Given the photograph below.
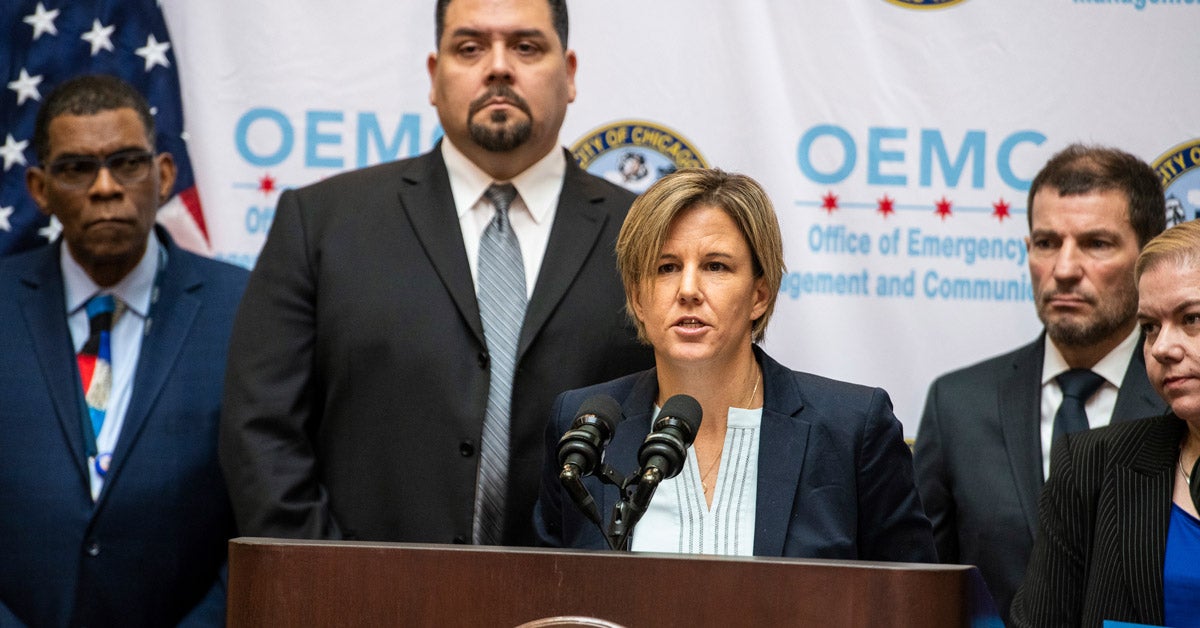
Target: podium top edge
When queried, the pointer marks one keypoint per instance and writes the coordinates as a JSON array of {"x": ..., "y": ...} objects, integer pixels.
[{"x": 251, "y": 543}]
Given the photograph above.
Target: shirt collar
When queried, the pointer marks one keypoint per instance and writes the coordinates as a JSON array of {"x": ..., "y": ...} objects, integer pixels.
[
  {"x": 134, "y": 289},
  {"x": 538, "y": 186},
  {"x": 1111, "y": 367}
]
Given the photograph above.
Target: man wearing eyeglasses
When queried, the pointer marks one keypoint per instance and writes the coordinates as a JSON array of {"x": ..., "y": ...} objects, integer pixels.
[{"x": 112, "y": 506}]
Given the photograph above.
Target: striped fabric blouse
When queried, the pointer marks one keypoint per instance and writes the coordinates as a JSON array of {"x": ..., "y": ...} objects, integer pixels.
[{"x": 678, "y": 519}]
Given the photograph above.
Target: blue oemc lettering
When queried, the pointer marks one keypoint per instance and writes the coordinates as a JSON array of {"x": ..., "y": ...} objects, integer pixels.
[
  {"x": 266, "y": 137},
  {"x": 889, "y": 156}
]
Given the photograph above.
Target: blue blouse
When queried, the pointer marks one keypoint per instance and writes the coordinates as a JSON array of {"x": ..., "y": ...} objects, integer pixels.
[{"x": 1181, "y": 572}]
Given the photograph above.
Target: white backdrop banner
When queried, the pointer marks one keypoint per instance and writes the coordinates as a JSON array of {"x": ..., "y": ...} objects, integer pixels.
[{"x": 897, "y": 138}]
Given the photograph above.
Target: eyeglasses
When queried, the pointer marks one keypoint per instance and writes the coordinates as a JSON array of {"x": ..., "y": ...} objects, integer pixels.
[{"x": 79, "y": 172}]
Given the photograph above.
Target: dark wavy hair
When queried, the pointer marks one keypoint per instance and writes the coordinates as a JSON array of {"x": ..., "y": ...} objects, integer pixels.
[{"x": 1081, "y": 169}]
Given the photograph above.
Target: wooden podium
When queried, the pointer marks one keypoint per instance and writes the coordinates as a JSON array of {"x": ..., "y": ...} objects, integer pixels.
[{"x": 323, "y": 583}]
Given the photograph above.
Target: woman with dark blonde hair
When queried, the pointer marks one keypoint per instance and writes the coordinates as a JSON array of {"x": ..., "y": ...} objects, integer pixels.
[{"x": 784, "y": 463}]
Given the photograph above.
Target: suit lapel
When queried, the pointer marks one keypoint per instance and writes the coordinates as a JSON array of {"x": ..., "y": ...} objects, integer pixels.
[
  {"x": 578, "y": 223},
  {"x": 621, "y": 453},
  {"x": 428, "y": 201},
  {"x": 44, "y": 310},
  {"x": 783, "y": 437},
  {"x": 638, "y": 408},
  {"x": 1020, "y": 414},
  {"x": 1147, "y": 479},
  {"x": 1137, "y": 399},
  {"x": 168, "y": 326}
]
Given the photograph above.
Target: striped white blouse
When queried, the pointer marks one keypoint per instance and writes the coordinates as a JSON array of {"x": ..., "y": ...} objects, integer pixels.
[{"x": 678, "y": 519}]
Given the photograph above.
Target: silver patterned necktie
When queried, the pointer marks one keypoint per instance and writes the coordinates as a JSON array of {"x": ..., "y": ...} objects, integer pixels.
[{"x": 502, "y": 308}]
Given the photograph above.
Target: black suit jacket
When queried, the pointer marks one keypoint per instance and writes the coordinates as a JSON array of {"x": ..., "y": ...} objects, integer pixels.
[
  {"x": 835, "y": 479},
  {"x": 150, "y": 550},
  {"x": 978, "y": 457},
  {"x": 358, "y": 371},
  {"x": 1102, "y": 540}
]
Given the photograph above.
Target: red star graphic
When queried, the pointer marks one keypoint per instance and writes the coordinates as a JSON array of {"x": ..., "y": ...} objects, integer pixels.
[
  {"x": 943, "y": 208},
  {"x": 886, "y": 206},
  {"x": 266, "y": 184},
  {"x": 829, "y": 202},
  {"x": 1001, "y": 210}
]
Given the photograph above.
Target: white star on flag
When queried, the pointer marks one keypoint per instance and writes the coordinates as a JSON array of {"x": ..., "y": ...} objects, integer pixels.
[
  {"x": 84, "y": 37},
  {"x": 100, "y": 37},
  {"x": 42, "y": 21},
  {"x": 26, "y": 87},
  {"x": 154, "y": 53},
  {"x": 13, "y": 152},
  {"x": 51, "y": 231}
]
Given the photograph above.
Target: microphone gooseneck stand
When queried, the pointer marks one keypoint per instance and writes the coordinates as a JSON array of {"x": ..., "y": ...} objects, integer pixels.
[{"x": 661, "y": 457}]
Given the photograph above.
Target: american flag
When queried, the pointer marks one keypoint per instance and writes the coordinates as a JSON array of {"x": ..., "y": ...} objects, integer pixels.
[{"x": 45, "y": 42}]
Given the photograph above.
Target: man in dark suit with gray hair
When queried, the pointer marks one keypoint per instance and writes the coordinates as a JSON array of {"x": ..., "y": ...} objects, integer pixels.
[
  {"x": 982, "y": 448},
  {"x": 408, "y": 325}
]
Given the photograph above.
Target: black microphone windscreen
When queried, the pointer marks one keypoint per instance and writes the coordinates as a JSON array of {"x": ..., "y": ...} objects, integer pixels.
[
  {"x": 686, "y": 409},
  {"x": 604, "y": 408}
]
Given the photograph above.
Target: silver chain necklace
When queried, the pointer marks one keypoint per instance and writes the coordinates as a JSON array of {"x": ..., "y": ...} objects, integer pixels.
[{"x": 1187, "y": 477}]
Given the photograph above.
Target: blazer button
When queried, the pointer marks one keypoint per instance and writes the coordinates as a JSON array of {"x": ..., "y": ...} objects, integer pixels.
[
  {"x": 93, "y": 548},
  {"x": 466, "y": 448},
  {"x": 460, "y": 539},
  {"x": 484, "y": 359}
]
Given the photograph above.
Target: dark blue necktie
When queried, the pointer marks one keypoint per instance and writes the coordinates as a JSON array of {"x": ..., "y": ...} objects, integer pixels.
[{"x": 1077, "y": 385}]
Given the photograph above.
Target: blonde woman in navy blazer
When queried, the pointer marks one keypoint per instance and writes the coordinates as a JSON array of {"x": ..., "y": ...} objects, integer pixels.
[
  {"x": 1119, "y": 533},
  {"x": 701, "y": 258}
]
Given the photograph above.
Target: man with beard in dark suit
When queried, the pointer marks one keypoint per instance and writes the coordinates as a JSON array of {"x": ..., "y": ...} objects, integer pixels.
[
  {"x": 408, "y": 325},
  {"x": 983, "y": 446}
]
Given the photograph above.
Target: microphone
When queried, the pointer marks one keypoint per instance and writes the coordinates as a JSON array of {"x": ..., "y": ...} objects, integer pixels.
[
  {"x": 579, "y": 449},
  {"x": 661, "y": 457},
  {"x": 665, "y": 449}
]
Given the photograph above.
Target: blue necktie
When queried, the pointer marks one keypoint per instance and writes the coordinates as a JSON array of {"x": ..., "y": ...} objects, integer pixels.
[
  {"x": 1077, "y": 386},
  {"x": 502, "y": 309}
]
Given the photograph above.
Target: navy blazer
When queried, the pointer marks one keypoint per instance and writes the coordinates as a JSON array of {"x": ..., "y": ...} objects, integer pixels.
[
  {"x": 1103, "y": 522},
  {"x": 151, "y": 550},
  {"x": 835, "y": 478}
]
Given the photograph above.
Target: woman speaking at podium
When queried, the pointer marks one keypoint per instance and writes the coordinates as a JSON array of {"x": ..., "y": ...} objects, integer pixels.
[{"x": 784, "y": 463}]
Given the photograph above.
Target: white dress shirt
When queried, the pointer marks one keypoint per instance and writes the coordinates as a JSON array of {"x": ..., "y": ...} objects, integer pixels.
[
  {"x": 1100, "y": 406},
  {"x": 531, "y": 213}
]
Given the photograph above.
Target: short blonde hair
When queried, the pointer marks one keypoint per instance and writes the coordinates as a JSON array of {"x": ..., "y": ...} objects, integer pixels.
[
  {"x": 1179, "y": 244},
  {"x": 645, "y": 230}
]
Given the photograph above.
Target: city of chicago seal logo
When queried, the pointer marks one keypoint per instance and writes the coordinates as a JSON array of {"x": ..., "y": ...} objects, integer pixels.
[
  {"x": 1180, "y": 175},
  {"x": 635, "y": 153},
  {"x": 925, "y": 4}
]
